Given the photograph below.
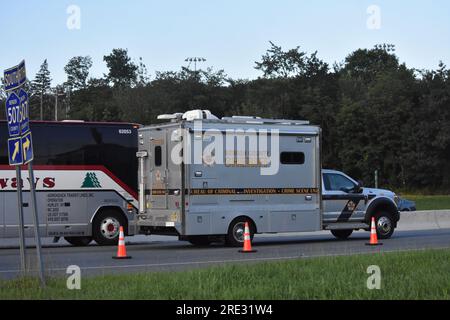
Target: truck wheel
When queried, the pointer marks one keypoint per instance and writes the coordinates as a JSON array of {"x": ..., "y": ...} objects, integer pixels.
[
  {"x": 235, "y": 236},
  {"x": 384, "y": 224},
  {"x": 78, "y": 241},
  {"x": 199, "y": 241},
  {"x": 342, "y": 234},
  {"x": 105, "y": 228}
]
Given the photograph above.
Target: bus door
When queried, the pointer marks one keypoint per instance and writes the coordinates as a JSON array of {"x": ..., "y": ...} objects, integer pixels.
[
  {"x": 12, "y": 215},
  {"x": 158, "y": 171},
  {"x": 28, "y": 214}
]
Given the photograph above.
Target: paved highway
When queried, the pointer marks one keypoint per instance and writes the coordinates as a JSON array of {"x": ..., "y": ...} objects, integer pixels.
[{"x": 165, "y": 254}]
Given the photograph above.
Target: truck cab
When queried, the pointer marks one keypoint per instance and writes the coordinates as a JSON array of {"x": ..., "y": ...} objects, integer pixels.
[{"x": 348, "y": 206}]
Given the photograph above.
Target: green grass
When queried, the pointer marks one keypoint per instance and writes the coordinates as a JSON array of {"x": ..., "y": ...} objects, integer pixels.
[
  {"x": 407, "y": 275},
  {"x": 430, "y": 202}
]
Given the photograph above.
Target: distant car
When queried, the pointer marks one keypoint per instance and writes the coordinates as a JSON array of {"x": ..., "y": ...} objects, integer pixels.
[{"x": 406, "y": 205}]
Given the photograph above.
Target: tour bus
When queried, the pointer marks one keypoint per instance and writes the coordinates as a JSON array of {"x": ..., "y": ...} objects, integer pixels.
[{"x": 85, "y": 178}]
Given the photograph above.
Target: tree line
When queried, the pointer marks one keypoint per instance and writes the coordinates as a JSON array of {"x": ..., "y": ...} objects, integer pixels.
[{"x": 375, "y": 112}]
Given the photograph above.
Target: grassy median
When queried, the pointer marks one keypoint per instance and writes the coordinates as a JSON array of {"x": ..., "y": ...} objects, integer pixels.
[
  {"x": 407, "y": 275},
  {"x": 424, "y": 202}
]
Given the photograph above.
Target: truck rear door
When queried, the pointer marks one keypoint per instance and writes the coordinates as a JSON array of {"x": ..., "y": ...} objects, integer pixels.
[{"x": 158, "y": 171}]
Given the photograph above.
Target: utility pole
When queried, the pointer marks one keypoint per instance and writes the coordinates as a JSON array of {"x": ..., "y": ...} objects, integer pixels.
[
  {"x": 56, "y": 101},
  {"x": 68, "y": 102},
  {"x": 376, "y": 179},
  {"x": 42, "y": 110}
]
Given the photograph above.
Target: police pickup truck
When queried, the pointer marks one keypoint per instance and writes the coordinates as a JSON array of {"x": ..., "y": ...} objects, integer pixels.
[{"x": 347, "y": 203}]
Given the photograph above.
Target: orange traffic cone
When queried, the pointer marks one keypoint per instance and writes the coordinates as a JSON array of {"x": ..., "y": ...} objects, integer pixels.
[
  {"x": 373, "y": 235},
  {"x": 247, "y": 242},
  {"x": 121, "y": 250}
]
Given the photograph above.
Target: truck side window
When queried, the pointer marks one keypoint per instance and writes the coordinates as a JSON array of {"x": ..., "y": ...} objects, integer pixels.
[
  {"x": 292, "y": 158},
  {"x": 158, "y": 156},
  {"x": 337, "y": 182}
]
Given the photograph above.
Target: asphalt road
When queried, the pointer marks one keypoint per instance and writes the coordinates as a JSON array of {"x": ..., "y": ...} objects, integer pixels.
[{"x": 166, "y": 254}]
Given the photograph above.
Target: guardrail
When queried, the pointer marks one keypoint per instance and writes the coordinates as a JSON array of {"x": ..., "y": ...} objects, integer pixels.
[{"x": 430, "y": 219}]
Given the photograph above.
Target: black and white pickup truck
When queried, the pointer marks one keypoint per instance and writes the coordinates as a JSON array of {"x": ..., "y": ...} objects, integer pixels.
[{"x": 348, "y": 206}]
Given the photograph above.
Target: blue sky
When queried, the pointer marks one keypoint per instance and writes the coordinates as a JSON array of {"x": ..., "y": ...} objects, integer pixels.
[{"x": 230, "y": 34}]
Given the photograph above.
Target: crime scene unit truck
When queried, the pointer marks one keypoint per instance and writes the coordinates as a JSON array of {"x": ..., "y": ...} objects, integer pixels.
[
  {"x": 201, "y": 178},
  {"x": 85, "y": 177}
]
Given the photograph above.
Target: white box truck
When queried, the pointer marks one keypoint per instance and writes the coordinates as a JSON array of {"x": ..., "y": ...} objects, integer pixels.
[{"x": 201, "y": 178}]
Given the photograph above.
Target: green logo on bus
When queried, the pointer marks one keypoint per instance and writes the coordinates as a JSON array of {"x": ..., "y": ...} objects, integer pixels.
[{"x": 91, "y": 181}]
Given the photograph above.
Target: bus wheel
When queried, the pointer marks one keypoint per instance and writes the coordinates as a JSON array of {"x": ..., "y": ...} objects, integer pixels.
[
  {"x": 235, "y": 236},
  {"x": 342, "y": 234},
  {"x": 78, "y": 241},
  {"x": 200, "y": 241},
  {"x": 105, "y": 228}
]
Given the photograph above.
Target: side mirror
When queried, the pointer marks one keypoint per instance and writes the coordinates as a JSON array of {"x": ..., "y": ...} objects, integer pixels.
[{"x": 359, "y": 186}]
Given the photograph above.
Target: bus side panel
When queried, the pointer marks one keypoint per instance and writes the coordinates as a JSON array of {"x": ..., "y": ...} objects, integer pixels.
[
  {"x": 12, "y": 215},
  {"x": 2, "y": 214},
  {"x": 98, "y": 201},
  {"x": 28, "y": 214},
  {"x": 66, "y": 212},
  {"x": 58, "y": 147}
]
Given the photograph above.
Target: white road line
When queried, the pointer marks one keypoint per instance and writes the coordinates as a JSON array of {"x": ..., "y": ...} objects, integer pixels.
[{"x": 168, "y": 264}]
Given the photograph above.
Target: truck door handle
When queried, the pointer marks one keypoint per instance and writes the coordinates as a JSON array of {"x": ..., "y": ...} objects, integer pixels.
[{"x": 308, "y": 198}]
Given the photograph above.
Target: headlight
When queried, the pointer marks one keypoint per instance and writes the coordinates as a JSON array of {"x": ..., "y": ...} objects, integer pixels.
[{"x": 396, "y": 199}]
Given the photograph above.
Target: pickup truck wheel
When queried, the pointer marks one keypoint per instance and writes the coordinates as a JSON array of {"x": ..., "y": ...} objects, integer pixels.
[
  {"x": 105, "y": 228},
  {"x": 384, "y": 225},
  {"x": 199, "y": 241},
  {"x": 342, "y": 234},
  {"x": 78, "y": 241},
  {"x": 235, "y": 236}
]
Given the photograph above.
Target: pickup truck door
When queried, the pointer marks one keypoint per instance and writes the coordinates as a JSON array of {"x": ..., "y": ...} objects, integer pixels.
[{"x": 339, "y": 205}]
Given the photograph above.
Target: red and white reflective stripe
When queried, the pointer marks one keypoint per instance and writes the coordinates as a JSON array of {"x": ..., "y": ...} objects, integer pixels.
[
  {"x": 372, "y": 228},
  {"x": 121, "y": 237},
  {"x": 246, "y": 233}
]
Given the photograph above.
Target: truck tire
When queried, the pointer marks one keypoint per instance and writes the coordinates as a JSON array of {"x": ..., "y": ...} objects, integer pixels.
[
  {"x": 78, "y": 241},
  {"x": 342, "y": 234},
  {"x": 105, "y": 228},
  {"x": 385, "y": 224},
  {"x": 235, "y": 235},
  {"x": 199, "y": 241}
]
